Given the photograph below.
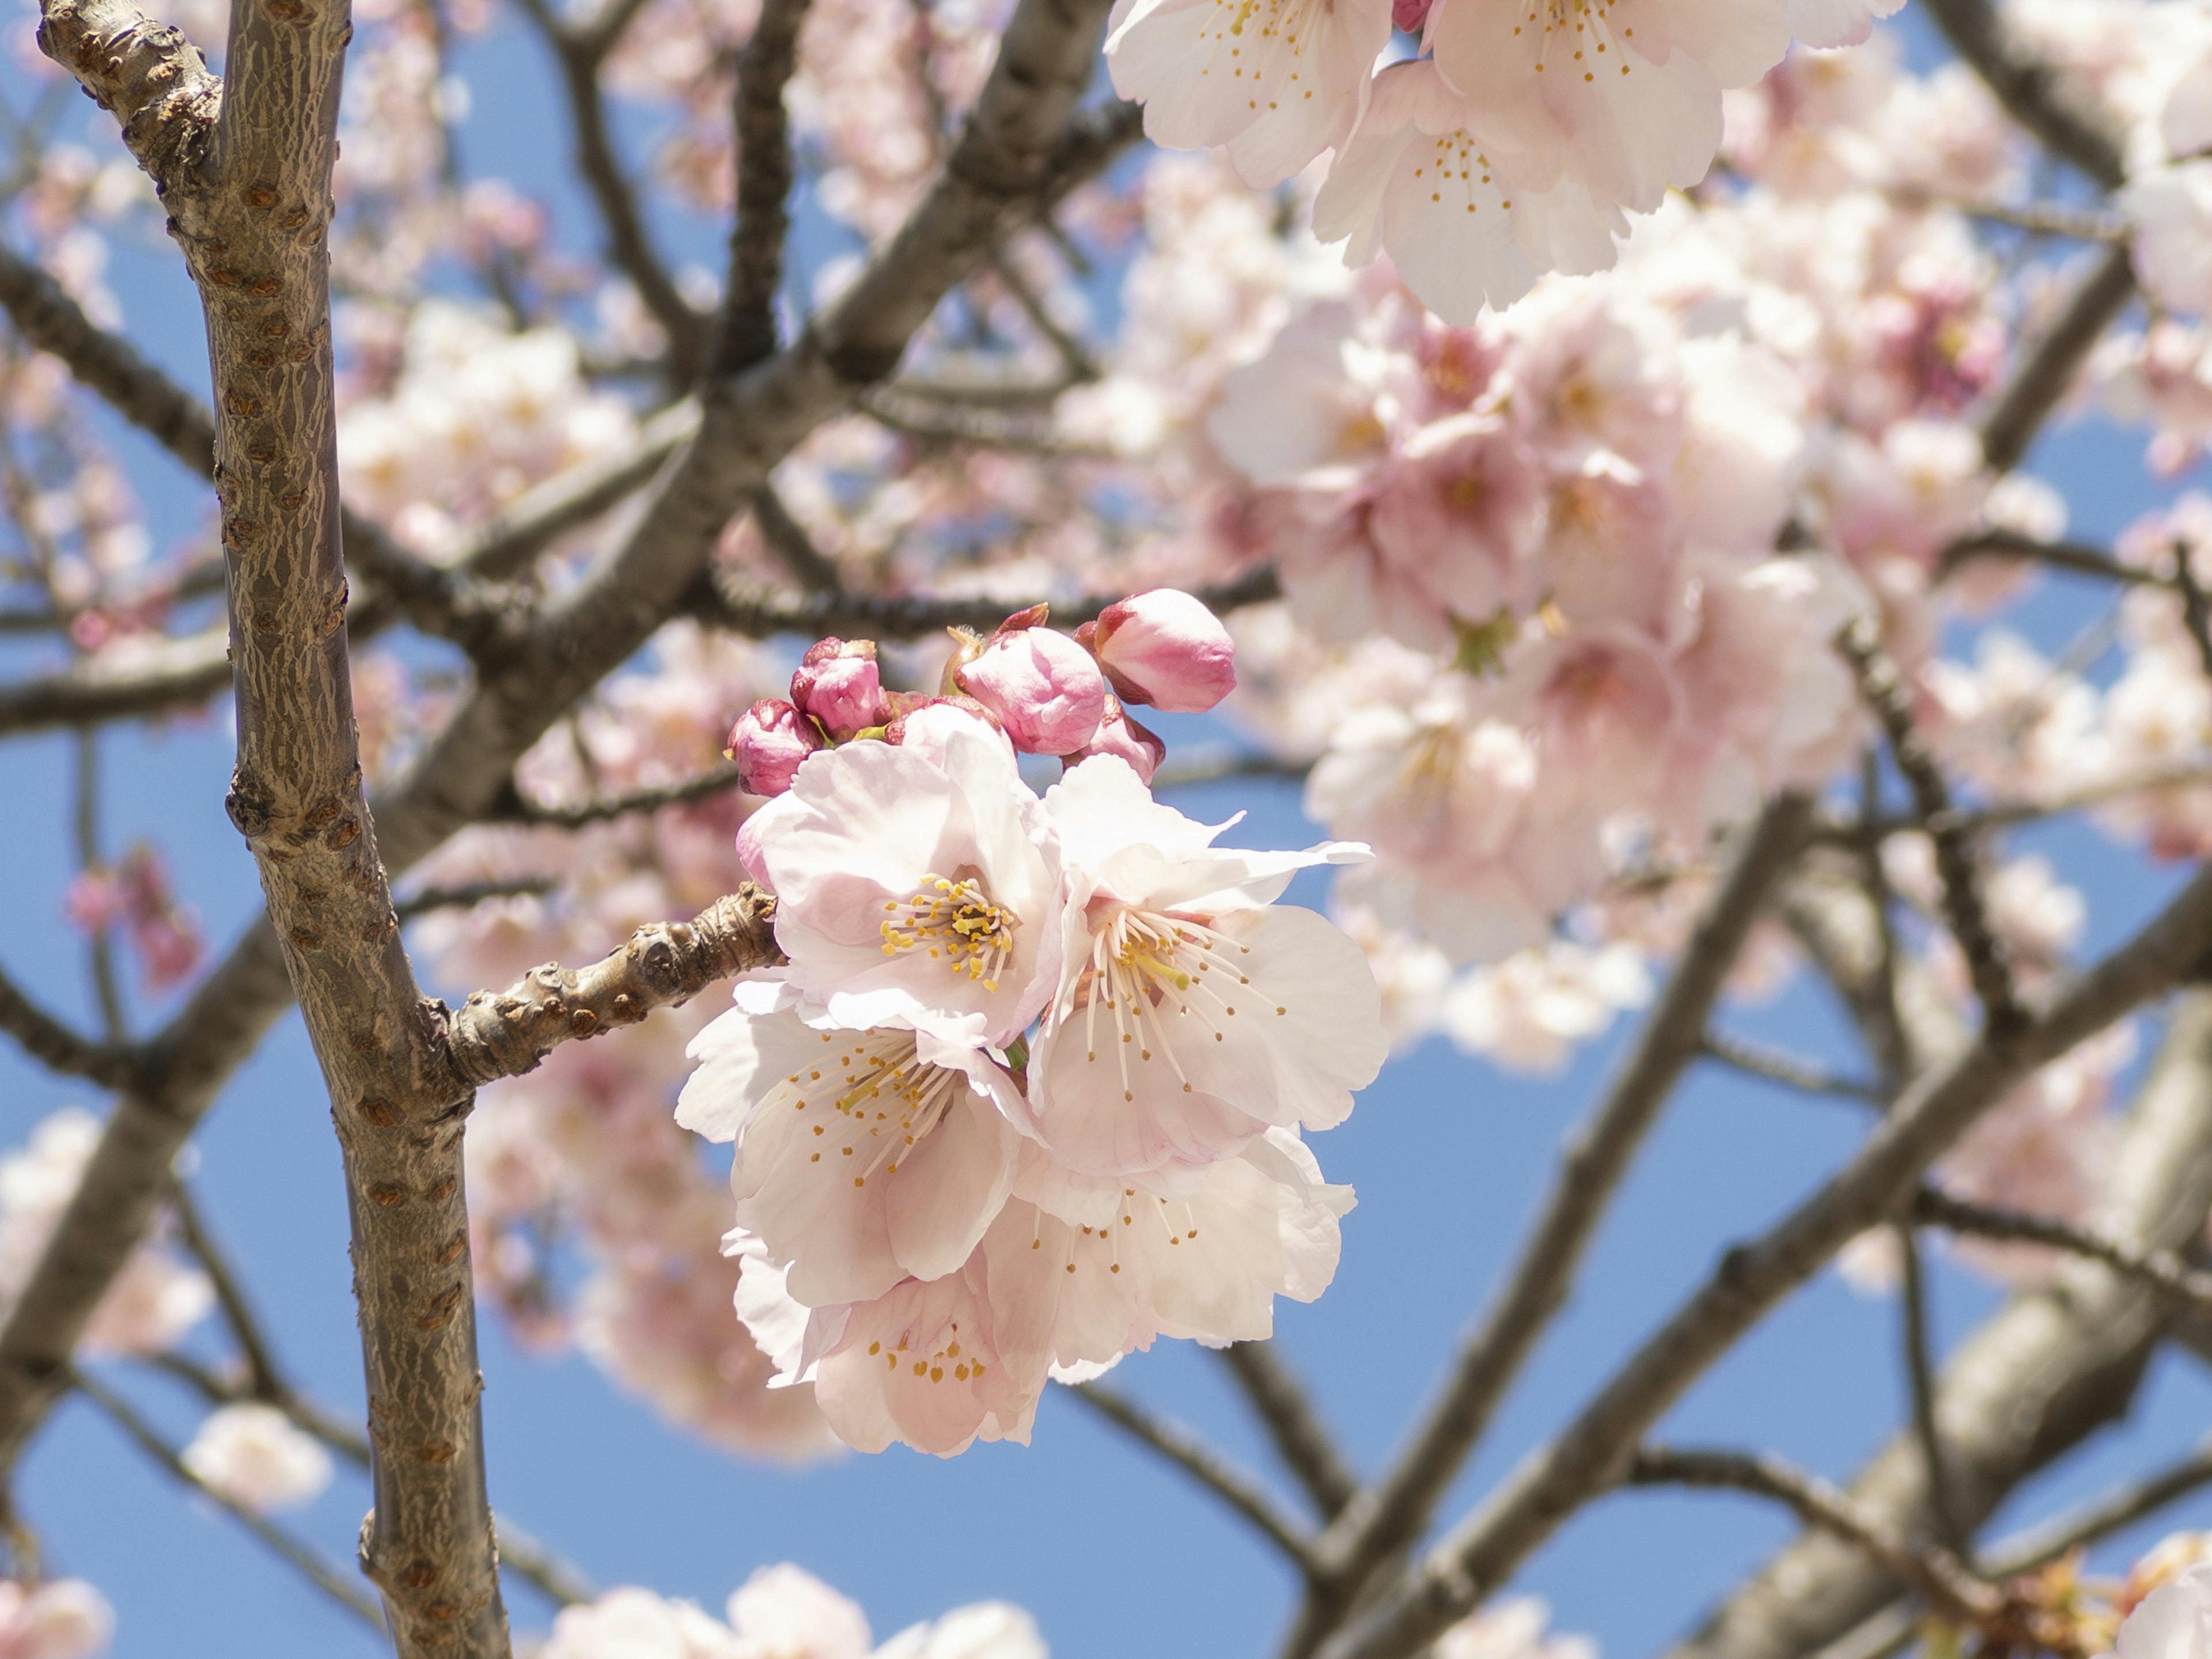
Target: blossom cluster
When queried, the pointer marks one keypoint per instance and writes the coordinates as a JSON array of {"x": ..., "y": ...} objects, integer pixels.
[
  {"x": 1026, "y": 1092},
  {"x": 1510, "y": 145}
]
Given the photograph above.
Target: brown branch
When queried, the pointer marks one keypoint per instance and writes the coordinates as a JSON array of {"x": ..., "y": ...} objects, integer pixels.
[
  {"x": 2042, "y": 380},
  {"x": 2048, "y": 1541},
  {"x": 56, "y": 1046},
  {"x": 758, "y": 612},
  {"x": 2078, "y": 557},
  {"x": 1180, "y": 1446},
  {"x": 249, "y": 202},
  {"x": 325, "y": 1575},
  {"x": 1920, "y": 1390},
  {"x": 2051, "y": 1368},
  {"x": 2032, "y": 92},
  {"x": 747, "y": 329},
  {"x": 1387, "y": 1517},
  {"x": 1958, "y": 858},
  {"x": 264, "y": 1382},
  {"x": 1287, "y": 1411},
  {"x": 504, "y": 1034},
  {"x": 513, "y": 809},
  {"x": 548, "y": 511},
  {"x": 176, "y": 676},
  {"x": 630, "y": 245},
  {"x": 1585, "y": 1457},
  {"x": 2162, "y": 1270},
  {"x": 1935, "y": 1572},
  {"x": 1775, "y": 1065},
  {"x": 468, "y": 893},
  {"x": 808, "y": 566}
]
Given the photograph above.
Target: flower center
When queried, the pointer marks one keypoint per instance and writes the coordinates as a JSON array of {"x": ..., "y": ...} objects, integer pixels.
[
  {"x": 875, "y": 1098},
  {"x": 1161, "y": 978},
  {"x": 957, "y": 923}
]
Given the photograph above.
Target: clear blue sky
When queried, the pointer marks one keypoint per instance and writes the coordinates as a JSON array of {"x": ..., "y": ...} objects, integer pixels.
[{"x": 1111, "y": 1550}]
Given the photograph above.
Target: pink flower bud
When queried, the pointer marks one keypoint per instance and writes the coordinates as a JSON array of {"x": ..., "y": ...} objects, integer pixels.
[
  {"x": 925, "y": 723},
  {"x": 1410, "y": 15},
  {"x": 1044, "y": 689},
  {"x": 839, "y": 685},
  {"x": 768, "y": 742},
  {"x": 1118, "y": 734},
  {"x": 1165, "y": 649}
]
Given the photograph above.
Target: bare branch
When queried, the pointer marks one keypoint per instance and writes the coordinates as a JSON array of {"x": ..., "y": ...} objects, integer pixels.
[
  {"x": 1180, "y": 1446},
  {"x": 529, "y": 1559},
  {"x": 747, "y": 331},
  {"x": 2047, "y": 1540},
  {"x": 513, "y": 809},
  {"x": 56, "y": 1047},
  {"x": 1386, "y": 1518},
  {"x": 325, "y": 1575},
  {"x": 265, "y": 1383},
  {"x": 1302, "y": 1439},
  {"x": 809, "y": 566},
  {"x": 2079, "y": 557},
  {"x": 1775, "y": 1065},
  {"x": 167, "y": 678},
  {"x": 507, "y": 1033},
  {"x": 468, "y": 893},
  {"x": 1920, "y": 1390},
  {"x": 1936, "y": 1573},
  {"x": 2042, "y": 378},
  {"x": 1585, "y": 1457},
  {"x": 2032, "y": 93},
  {"x": 544, "y": 513},
  {"x": 1958, "y": 861},
  {"x": 2162, "y": 1270}
]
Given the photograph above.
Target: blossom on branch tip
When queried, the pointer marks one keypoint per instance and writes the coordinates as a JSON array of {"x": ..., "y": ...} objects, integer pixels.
[
  {"x": 1164, "y": 648},
  {"x": 769, "y": 742},
  {"x": 58, "y": 1619},
  {"x": 838, "y": 686},
  {"x": 1045, "y": 690}
]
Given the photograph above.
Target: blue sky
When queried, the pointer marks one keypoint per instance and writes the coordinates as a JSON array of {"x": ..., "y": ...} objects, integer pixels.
[{"x": 1110, "y": 1549}]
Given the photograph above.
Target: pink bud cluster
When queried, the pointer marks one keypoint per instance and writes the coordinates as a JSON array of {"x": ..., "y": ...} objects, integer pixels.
[
  {"x": 1046, "y": 693},
  {"x": 137, "y": 898}
]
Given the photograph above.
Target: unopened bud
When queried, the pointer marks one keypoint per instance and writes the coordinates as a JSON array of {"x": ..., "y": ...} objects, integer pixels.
[
  {"x": 1410, "y": 15},
  {"x": 768, "y": 742},
  {"x": 1164, "y": 648},
  {"x": 1045, "y": 691},
  {"x": 1121, "y": 735},
  {"x": 838, "y": 684}
]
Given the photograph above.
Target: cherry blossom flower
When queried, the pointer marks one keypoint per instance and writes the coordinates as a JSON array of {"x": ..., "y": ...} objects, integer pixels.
[
  {"x": 839, "y": 687},
  {"x": 1044, "y": 690},
  {"x": 1164, "y": 648},
  {"x": 1277, "y": 86},
  {"x": 60, "y": 1618},
  {"x": 2174, "y": 1621},
  {"x": 1167, "y": 940},
  {"x": 916, "y": 891},
  {"x": 1529, "y": 1011},
  {"x": 863, "y": 1156},
  {"x": 769, "y": 742},
  {"x": 1512, "y": 1628},
  {"x": 2171, "y": 211},
  {"x": 253, "y": 1454}
]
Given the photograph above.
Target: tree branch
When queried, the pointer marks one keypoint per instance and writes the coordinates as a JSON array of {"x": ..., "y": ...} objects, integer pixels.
[
  {"x": 513, "y": 809},
  {"x": 1920, "y": 1390},
  {"x": 171, "y": 677},
  {"x": 58, "y": 1048},
  {"x": 1958, "y": 861},
  {"x": 1757, "y": 1060},
  {"x": 1287, "y": 1411},
  {"x": 2162, "y": 1270},
  {"x": 2032, "y": 92},
  {"x": 747, "y": 329},
  {"x": 1232, "y": 1485},
  {"x": 506, "y": 1034},
  {"x": 1582, "y": 1459},
  {"x": 1386, "y": 1518},
  {"x": 323, "y": 1573},
  {"x": 1935, "y": 1572}
]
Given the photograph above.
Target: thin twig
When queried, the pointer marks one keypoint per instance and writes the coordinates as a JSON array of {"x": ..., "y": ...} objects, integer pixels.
[
  {"x": 1790, "y": 1071},
  {"x": 2162, "y": 1270},
  {"x": 1958, "y": 860},
  {"x": 264, "y": 1382},
  {"x": 2196, "y": 616},
  {"x": 1308, "y": 1450},
  {"x": 2122, "y": 1506},
  {"x": 514, "y": 809},
  {"x": 1936, "y": 1573},
  {"x": 1182, "y": 1448},
  {"x": 2048, "y": 370},
  {"x": 470, "y": 894},
  {"x": 1920, "y": 1389},
  {"x": 2078, "y": 557},
  {"x": 100, "y": 946},
  {"x": 57, "y": 1047},
  {"x": 559, "y": 1579},
  {"x": 325, "y": 1574}
]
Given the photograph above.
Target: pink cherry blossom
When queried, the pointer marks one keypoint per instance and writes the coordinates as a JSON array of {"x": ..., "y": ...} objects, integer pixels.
[
  {"x": 253, "y": 1454},
  {"x": 838, "y": 687},
  {"x": 58, "y": 1619},
  {"x": 863, "y": 1157},
  {"x": 1143, "y": 1058},
  {"x": 1164, "y": 648},
  {"x": 1121, "y": 735},
  {"x": 769, "y": 743},
  {"x": 1044, "y": 690}
]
